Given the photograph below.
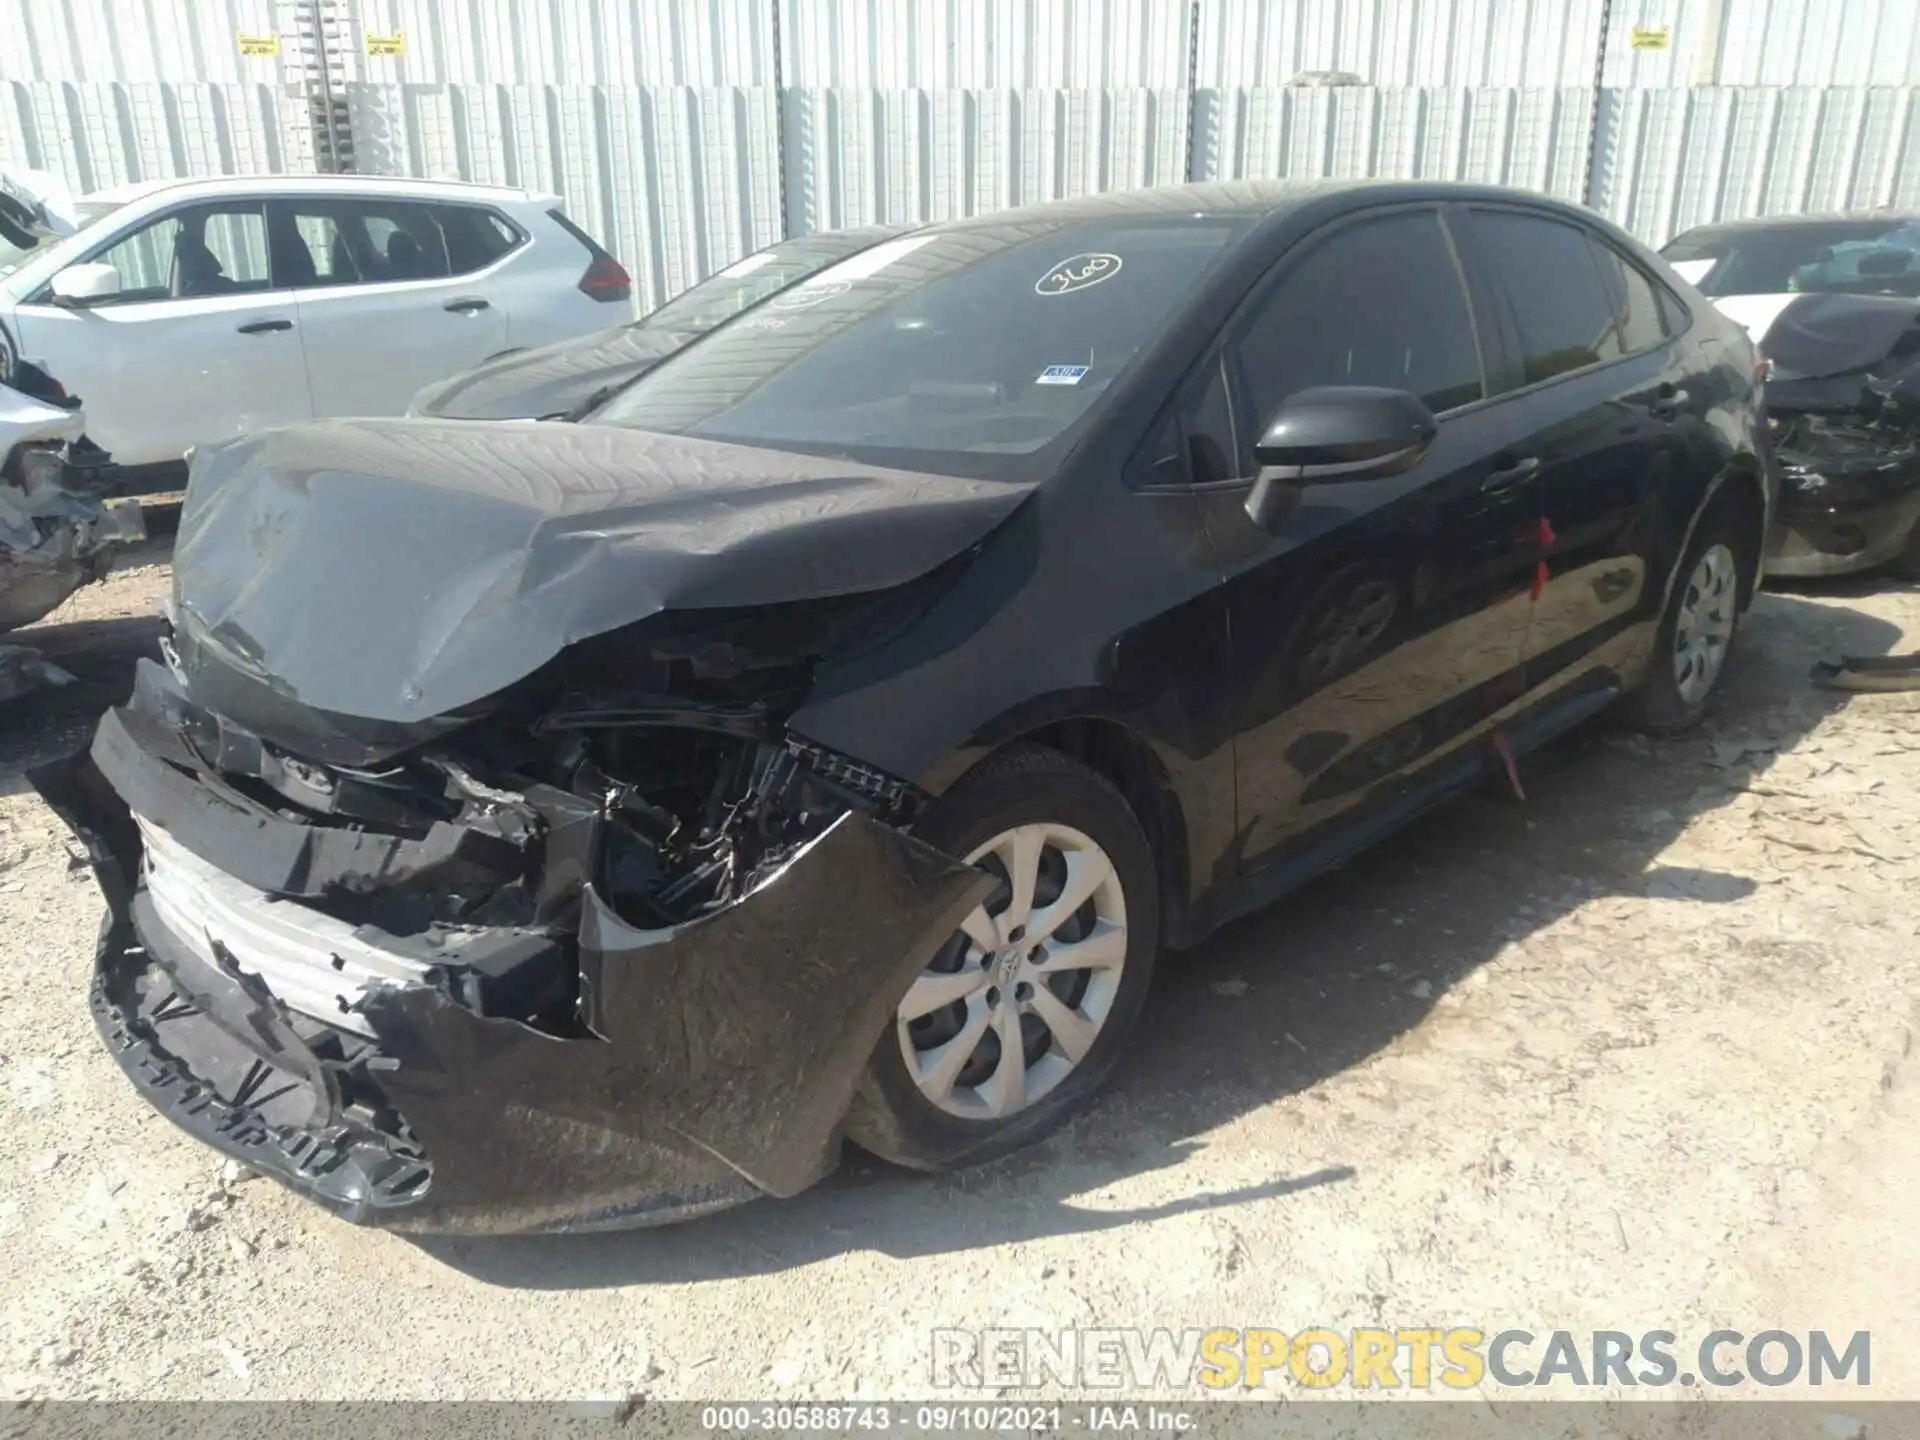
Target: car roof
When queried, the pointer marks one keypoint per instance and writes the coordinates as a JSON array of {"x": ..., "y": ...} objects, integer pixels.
[
  {"x": 1253, "y": 199},
  {"x": 224, "y": 186},
  {"x": 1755, "y": 224}
]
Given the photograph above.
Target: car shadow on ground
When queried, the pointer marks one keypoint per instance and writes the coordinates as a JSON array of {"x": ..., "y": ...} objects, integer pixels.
[{"x": 1285, "y": 998}]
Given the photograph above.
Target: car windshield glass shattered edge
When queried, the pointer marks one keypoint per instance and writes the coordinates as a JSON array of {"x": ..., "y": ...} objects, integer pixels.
[
  {"x": 948, "y": 351},
  {"x": 1852, "y": 257}
]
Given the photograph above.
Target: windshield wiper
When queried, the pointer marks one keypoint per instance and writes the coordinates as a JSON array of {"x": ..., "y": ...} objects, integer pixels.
[{"x": 593, "y": 402}]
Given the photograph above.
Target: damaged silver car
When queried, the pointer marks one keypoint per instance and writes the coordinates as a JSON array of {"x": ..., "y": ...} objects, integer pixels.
[
  {"x": 544, "y": 826},
  {"x": 58, "y": 531}
]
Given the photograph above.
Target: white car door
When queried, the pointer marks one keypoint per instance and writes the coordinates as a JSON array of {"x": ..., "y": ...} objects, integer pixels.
[
  {"x": 198, "y": 346},
  {"x": 381, "y": 311}
]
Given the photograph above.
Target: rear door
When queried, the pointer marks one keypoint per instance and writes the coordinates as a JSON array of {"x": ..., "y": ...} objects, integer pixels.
[
  {"x": 390, "y": 299},
  {"x": 1608, "y": 410},
  {"x": 1378, "y": 624},
  {"x": 200, "y": 344}
]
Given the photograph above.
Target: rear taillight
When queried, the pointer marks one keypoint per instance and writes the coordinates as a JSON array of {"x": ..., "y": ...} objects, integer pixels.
[{"x": 607, "y": 279}]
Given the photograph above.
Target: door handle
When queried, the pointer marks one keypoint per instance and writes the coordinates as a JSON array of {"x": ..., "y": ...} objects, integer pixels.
[
  {"x": 1514, "y": 475},
  {"x": 262, "y": 327},
  {"x": 1667, "y": 403},
  {"x": 467, "y": 304}
]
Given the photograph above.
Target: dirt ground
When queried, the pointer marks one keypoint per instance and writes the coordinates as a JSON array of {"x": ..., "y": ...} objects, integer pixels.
[{"x": 1632, "y": 1055}]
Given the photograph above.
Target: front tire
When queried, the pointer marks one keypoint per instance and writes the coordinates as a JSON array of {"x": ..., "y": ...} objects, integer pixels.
[
  {"x": 1022, "y": 1014},
  {"x": 1697, "y": 631},
  {"x": 1906, "y": 565}
]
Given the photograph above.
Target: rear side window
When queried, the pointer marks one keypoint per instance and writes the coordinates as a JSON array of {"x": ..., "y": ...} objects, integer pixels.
[
  {"x": 475, "y": 238},
  {"x": 1673, "y": 310},
  {"x": 324, "y": 242},
  {"x": 1377, "y": 303},
  {"x": 1636, "y": 302},
  {"x": 1555, "y": 298}
]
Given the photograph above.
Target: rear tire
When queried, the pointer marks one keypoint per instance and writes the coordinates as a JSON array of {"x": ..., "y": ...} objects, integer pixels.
[
  {"x": 943, "y": 1087},
  {"x": 1906, "y": 565},
  {"x": 1697, "y": 630}
]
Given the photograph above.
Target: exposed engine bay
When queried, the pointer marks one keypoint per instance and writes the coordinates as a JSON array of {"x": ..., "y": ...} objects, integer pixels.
[{"x": 483, "y": 840}]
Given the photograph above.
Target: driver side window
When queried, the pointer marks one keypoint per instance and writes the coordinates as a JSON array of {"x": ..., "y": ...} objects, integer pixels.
[
  {"x": 145, "y": 261},
  {"x": 1376, "y": 303},
  {"x": 208, "y": 250}
]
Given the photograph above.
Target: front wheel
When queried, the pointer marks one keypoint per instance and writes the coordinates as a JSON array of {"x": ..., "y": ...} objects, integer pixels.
[
  {"x": 1906, "y": 565},
  {"x": 1023, "y": 1012},
  {"x": 1696, "y": 632}
]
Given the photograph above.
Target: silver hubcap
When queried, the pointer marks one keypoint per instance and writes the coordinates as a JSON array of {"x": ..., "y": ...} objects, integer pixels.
[
  {"x": 1014, "y": 1001},
  {"x": 1704, "y": 627}
]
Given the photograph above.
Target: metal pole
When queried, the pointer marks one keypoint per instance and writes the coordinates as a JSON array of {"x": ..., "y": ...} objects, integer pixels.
[
  {"x": 1599, "y": 91},
  {"x": 1193, "y": 78},
  {"x": 779, "y": 121}
]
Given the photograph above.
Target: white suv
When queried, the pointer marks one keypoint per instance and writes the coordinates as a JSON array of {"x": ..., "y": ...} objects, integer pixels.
[{"x": 192, "y": 310}]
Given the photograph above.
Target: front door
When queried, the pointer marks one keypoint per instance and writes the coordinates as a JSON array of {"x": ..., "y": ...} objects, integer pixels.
[
  {"x": 380, "y": 314},
  {"x": 1378, "y": 623},
  {"x": 199, "y": 345}
]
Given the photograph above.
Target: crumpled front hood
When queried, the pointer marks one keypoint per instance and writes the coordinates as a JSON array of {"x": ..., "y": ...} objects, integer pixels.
[
  {"x": 551, "y": 380},
  {"x": 394, "y": 570}
]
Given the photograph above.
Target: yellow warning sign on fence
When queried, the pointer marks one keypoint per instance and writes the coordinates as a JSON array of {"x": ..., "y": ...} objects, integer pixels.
[
  {"x": 268, "y": 44},
  {"x": 394, "y": 44},
  {"x": 1652, "y": 38}
]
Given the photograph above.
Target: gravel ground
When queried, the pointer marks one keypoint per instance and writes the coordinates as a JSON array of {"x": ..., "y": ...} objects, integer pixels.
[{"x": 1632, "y": 1055}]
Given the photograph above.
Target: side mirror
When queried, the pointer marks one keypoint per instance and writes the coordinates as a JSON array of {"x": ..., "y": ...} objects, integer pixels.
[
  {"x": 83, "y": 285},
  {"x": 1338, "y": 432}
]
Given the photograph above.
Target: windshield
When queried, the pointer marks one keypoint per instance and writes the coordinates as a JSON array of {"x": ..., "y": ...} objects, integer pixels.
[
  {"x": 747, "y": 282},
  {"x": 12, "y": 256},
  {"x": 1841, "y": 257},
  {"x": 937, "y": 351}
]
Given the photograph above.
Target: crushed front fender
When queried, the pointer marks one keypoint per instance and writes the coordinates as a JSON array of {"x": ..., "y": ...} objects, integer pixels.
[{"x": 715, "y": 1063}]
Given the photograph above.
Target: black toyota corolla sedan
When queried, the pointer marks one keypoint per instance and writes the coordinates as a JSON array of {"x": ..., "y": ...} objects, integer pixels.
[
  {"x": 559, "y": 826},
  {"x": 554, "y": 381}
]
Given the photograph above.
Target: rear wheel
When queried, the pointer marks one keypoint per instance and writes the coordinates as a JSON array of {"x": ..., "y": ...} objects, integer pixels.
[
  {"x": 1906, "y": 564},
  {"x": 1696, "y": 632},
  {"x": 1025, "y": 1009}
]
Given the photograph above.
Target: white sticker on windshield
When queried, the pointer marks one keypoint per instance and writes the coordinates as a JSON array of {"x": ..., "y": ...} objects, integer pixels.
[
  {"x": 1692, "y": 271},
  {"x": 871, "y": 262},
  {"x": 811, "y": 293},
  {"x": 1062, "y": 375},
  {"x": 1077, "y": 272},
  {"x": 748, "y": 265}
]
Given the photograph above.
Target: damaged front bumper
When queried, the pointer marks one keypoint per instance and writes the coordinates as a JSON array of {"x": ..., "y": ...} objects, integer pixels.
[
  {"x": 1842, "y": 540},
  {"x": 712, "y": 1061},
  {"x": 1847, "y": 506}
]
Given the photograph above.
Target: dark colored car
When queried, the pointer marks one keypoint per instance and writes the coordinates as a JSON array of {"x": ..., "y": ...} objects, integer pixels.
[
  {"x": 1780, "y": 256},
  {"x": 1832, "y": 302},
  {"x": 546, "y": 827},
  {"x": 554, "y": 381}
]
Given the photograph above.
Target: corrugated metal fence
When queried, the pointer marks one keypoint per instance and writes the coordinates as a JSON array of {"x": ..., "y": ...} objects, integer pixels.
[{"x": 688, "y": 132}]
